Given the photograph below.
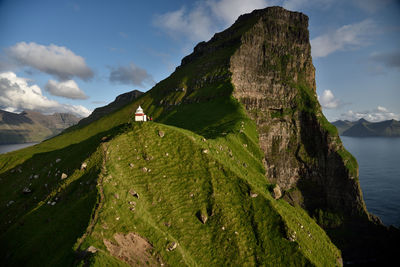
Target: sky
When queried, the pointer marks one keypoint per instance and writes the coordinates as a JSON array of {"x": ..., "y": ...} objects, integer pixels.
[{"x": 74, "y": 56}]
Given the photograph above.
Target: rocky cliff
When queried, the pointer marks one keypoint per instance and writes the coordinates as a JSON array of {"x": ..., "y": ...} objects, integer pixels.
[{"x": 266, "y": 56}]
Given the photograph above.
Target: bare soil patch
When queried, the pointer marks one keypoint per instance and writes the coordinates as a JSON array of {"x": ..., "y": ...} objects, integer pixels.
[{"x": 133, "y": 249}]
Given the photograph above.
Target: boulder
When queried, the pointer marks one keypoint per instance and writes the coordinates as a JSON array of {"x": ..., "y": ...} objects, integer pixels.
[
  {"x": 64, "y": 176},
  {"x": 91, "y": 249},
  {"x": 171, "y": 246},
  {"x": 26, "y": 190},
  {"x": 36, "y": 176},
  {"x": 58, "y": 160},
  {"x": 161, "y": 134},
  {"x": 276, "y": 193},
  {"x": 134, "y": 193},
  {"x": 84, "y": 166},
  {"x": 205, "y": 151},
  {"x": 131, "y": 165},
  {"x": 253, "y": 195}
]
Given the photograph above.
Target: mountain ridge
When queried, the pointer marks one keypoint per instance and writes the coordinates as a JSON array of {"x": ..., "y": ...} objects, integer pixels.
[
  {"x": 31, "y": 126},
  {"x": 364, "y": 128}
]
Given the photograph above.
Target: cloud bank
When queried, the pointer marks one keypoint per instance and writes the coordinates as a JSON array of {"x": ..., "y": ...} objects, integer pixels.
[
  {"x": 55, "y": 60},
  {"x": 130, "y": 74},
  {"x": 388, "y": 59},
  {"x": 206, "y": 18},
  {"x": 328, "y": 100},
  {"x": 347, "y": 37},
  {"x": 379, "y": 114},
  {"x": 16, "y": 95},
  {"x": 67, "y": 89}
]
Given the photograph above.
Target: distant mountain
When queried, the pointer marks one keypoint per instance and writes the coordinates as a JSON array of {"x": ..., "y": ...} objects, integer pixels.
[
  {"x": 119, "y": 102},
  {"x": 364, "y": 128},
  {"x": 31, "y": 126}
]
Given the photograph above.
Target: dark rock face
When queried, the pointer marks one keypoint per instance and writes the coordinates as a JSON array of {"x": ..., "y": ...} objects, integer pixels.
[{"x": 274, "y": 78}]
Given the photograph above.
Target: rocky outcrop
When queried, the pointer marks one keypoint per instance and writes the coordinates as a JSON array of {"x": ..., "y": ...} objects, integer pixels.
[{"x": 274, "y": 78}]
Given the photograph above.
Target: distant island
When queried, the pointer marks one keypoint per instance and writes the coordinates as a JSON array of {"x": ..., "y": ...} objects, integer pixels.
[
  {"x": 364, "y": 128},
  {"x": 31, "y": 126}
]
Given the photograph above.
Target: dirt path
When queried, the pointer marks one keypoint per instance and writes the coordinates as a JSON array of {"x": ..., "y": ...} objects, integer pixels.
[{"x": 100, "y": 202}]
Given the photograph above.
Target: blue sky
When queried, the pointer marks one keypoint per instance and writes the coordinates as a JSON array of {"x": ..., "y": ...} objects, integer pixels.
[{"x": 73, "y": 56}]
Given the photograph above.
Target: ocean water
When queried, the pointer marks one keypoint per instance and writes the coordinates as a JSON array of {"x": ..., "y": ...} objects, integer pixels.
[
  {"x": 12, "y": 147},
  {"x": 379, "y": 165}
]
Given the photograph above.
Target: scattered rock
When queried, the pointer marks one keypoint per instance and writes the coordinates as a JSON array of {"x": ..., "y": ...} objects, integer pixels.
[
  {"x": 276, "y": 192},
  {"x": 64, "y": 176},
  {"x": 26, "y": 190},
  {"x": 36, "y": 176},
  {"x": 83, "y": 167},
  {"x": 144, "y": 169},
  {"x": 53, "y": 203},
  {"x": 236, "y": 233},
  {"x": 202, "y": 217},
  {"x": 131, "y": 165},
  {"x": 161, "y": 134},
  {"x": 252, "y": 194},
  {"x": 134, "y": 193},
  {"x": 244, "y": 164},
  {"x": 205, "y": 151},
  {"x": 166, "y": 154},
  {"x": 245, "y": 145},
  {"x": 191, "y": 195},
  {"x": 58, "y": 160},
  {"x": 171, "y": 246},
  {"x": 168, "y": 224},
  {"x": 117, "y": 218},
  {"x": 91, "y": 249},
  {"x": 10, "y": 203},
  {"x": 119, "y": 158},
  {"x": 116, "y": 195},
  {"x": 133, "y": 203},
  {"x": 204, "y": 140},
  {"x": 223, "y": 228}
]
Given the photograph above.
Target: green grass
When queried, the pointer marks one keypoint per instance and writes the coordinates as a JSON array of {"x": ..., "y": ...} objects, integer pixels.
[{"x": 220, "y": 188}]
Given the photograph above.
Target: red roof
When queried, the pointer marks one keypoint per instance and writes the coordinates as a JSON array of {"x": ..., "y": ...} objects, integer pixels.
[{"x": 139, "y": 114}]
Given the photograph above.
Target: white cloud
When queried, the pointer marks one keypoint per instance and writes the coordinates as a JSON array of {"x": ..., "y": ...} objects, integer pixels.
[
  {"x": 230, "y": 10},
  {"x": 296, "y": 5},
  {"x": 378, "y": 114},
  {"x": 67, "y": 89},
  {"x": 328, "y": 100},
  {"x": 347, "y": 37},
  {"x": 201, "y": 22},
  {"x": 131, "y": 74},
  {"x": 54, "y": 60},
  {"x": 195, "y": 24},
  {"x": 16, "y": 95}
]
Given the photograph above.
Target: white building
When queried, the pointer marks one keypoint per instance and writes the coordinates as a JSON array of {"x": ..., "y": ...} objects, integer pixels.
[{"x": 139, "y": 115}]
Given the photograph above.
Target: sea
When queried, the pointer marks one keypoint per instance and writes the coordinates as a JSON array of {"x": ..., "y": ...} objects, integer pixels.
[
  {"x": 379, "y": 166},
  {"x": 12, "y": 147}
]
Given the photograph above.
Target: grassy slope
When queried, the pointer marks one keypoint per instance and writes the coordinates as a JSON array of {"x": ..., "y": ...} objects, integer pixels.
[
  {"x": 220, "y": 185},
  {"x": 220, "y": 181}
]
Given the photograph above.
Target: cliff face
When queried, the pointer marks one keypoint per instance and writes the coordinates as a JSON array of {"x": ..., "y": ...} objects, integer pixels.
[{"x": 274, "y": 78}]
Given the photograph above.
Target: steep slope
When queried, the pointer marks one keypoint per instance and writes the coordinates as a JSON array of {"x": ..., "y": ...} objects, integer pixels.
[
  {"x": 342, "y": 126},
  {"x": 217, "y": 151},
  {"x": 119, "y": 102},
  {"x": 31, "y": 126}
]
